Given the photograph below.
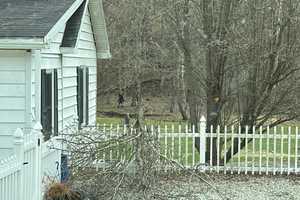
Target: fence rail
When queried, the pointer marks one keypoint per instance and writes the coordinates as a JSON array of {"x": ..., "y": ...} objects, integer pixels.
[
  {"x": 21, "y": 175},
  {"x": 256, "y": 149}
]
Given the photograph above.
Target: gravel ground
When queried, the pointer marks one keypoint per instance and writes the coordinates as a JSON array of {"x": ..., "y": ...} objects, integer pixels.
[
  {"x": 218, "y": 187},
  {"x": 232, "y": 187}
]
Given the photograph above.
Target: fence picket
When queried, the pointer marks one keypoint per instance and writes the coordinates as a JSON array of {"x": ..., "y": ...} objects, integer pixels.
[
  {"x": 211, "y": 148},
  {"x": 132, "y": 134},
  {"x": 186, "y": 146},
  {"x": 281, "y": 151},
  {"x": 274, "y": 151},
  {"x": 179, "y": 143},
  {"x": 124, "y": 150},
  {"x": 232, "y": 147},
  {"x": 118, "y": 143},
  {"x": 202, "y": 144},
  {"x": 172, "y": 138},
  {"x": 159, "y": 147},
  {"x": 296, "y": 150},
  {"x": 218, "y": 149},
  {"x": 6, "y": 187},
  {"x": 267, "y": 159},
  {"x": 225, "y": 150},
  {"x": 9, "y": 187},
  {"x": 239, "y": 150},
  {"x": 246, "y": 151},
  {"x": 260, "y": 149},
  {"x": 166, "y": 143},
  {"x": 193, "y": 146},
  {"x": 253, "y": 148},
  {"x": 289, "y": 150},
  {"x": 110, "y": 137}
]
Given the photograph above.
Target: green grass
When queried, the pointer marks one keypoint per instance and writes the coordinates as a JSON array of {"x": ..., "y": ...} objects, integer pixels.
[
  {"x": 163, "y": 124},
  {"x": 185, "y": 152},
  {"x": 109, "y": 120}
]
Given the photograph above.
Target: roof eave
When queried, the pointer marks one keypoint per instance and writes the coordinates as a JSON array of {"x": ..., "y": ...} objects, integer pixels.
[
  {"x": 62, "y": 21},
  {"x": 22, "y": 43},
  {"x": 104, "y": 55},
  {"x": 99, "y": 28}
]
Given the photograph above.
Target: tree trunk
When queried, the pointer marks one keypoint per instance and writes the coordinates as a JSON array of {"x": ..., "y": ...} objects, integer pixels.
[
  {"x": 181, "y": 94},
  {"x": 215, "y": 29},
  {"x": 173, "y": 104}
]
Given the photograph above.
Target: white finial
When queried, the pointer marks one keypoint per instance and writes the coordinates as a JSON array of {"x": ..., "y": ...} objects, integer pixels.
[
  {"x": 38, "y": 126},
  {"x": 19, "y": 133},
  {"x": 202, "y": 119}
]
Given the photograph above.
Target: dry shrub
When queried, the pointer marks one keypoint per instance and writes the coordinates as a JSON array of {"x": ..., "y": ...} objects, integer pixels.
[{"x": 58, "y": 191}]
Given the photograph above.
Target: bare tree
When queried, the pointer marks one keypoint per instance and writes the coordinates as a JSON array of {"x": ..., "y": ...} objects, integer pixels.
[{"x": 235, "y": 60}]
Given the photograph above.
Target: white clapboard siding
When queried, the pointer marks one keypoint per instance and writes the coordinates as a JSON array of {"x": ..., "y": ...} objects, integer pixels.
[
  {"x": 72, "y": 60},
  {"x": 12, "y": 77},
  {"x": 69, "y": 84},
  {"x": 6, "y": 141},
  {"x": 10, "y": 90},
  {"x": 12, "y": 96},
  {"x": 8, "y": 128},
  {"x": 12, "y": 103},
  {"x": 85, "y": 55}
]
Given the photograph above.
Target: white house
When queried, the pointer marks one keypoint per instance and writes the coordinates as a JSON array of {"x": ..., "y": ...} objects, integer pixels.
[{"x": 48, "y": 64}]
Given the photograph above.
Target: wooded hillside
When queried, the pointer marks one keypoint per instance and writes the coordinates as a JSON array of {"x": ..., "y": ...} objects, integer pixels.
[{"x": 235, "y": 61}]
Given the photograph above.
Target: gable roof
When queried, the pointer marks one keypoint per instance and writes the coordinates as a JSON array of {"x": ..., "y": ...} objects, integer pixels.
[
  {"x": 30, "y": 18},
  {"x": 72, "y": 27},
  {"x": 30, "y": 24}
]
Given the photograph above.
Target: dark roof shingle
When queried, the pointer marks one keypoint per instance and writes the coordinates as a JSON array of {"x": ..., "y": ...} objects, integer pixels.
[{"x": 30, "y": 18}]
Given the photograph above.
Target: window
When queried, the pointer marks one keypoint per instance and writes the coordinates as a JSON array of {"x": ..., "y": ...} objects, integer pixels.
[
  {"x": 49, "y": 102},
  {"x": 83, "y": 95}
]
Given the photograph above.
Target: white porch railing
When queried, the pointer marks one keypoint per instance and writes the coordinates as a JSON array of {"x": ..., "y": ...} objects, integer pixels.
[{"x": 21, "y": 175}]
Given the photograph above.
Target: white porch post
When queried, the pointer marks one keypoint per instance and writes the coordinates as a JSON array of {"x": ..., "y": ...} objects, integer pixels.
[
  {"x": 202, "y": 141},
  {"x": 37, "y": 67},
  {"x": 28, "y": 91},
  {"x": 39, "y": 143}
]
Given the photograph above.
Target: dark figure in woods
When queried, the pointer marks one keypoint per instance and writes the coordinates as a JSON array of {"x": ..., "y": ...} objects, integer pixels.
[{"x": 121, "y": 100}]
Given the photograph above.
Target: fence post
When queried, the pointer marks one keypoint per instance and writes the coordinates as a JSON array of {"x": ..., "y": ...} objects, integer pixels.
[
  {"x": 37, "y": 130},
  {"x": 19, "y": 152},
  {"x": 202, "y": 142},
  {"x": 58, "y": 144}
]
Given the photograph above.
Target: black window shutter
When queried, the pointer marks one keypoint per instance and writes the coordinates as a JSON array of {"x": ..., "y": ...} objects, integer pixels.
[
  {"x": 55, "y": 93},
  {"x": 43, "y": 99},
  {"x": 46, "y": 103},
  {"x": 87, "y": 96},
  {"x": 80, "y": 95}
]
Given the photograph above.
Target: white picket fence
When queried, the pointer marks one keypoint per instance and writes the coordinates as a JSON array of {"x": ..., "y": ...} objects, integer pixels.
[
  {"x": 21, "y": 175},
  {"x": 266, "y": 151}
]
